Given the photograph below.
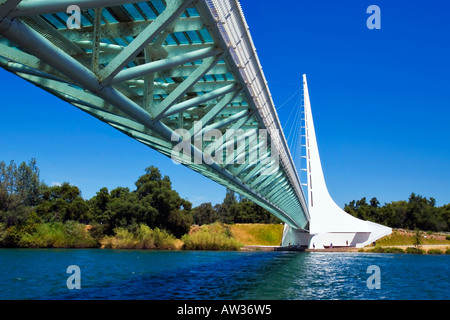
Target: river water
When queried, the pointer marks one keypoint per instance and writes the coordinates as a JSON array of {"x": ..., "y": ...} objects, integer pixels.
[{"x": 151, "y": 275}]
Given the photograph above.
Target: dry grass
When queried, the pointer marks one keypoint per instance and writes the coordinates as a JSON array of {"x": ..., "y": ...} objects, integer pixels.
[
  {"x": 400, "y": 237},
  {"x": 257, "y": 234}
]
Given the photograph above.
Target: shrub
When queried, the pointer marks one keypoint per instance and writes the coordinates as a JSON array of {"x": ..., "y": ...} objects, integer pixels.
[
  {"x": 154, "y": 239},
  {"x": 435, "y": 251},
  {"x": 108, "y": 242},
  {"x": 58, "y": 235},
  {"x": 377, "y": 249},
  {"x": 394, "y": 250},
  {"x": 211, "y": 237},
  {"x": 414, "y": 250},
  {"x": 143, "y": 238},
  {"x": 447, "y": 251},
  {"x": 4, "y": 235},
  {"x": 125, "y": 238}
]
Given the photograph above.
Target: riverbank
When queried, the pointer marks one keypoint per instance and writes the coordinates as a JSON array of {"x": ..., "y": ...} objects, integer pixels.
[
  {"x": 426, "y": 249},
  {"x": 216, "y": 236},
  {"x": 400, "y": 241}
]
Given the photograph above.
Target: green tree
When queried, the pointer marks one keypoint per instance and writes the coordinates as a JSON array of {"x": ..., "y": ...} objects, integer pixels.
[
  {"x": 445, "y": 217},
  {"x": 28, "y": 185},
  {"x": 417, "y": 239},
  {"x": 223, "y": 213},
  {"x": 422, "y": 213},
  {"x": 173, "y": 212},
  {"x": 7, "y": 185},
  {"x": 62, "y": 203},
  {"x": 99, "y": 206},
  {"x": 244, "y": 212},
  {"x": 230, "y": 198},
  {"x": 125, "y": 210},
  {"x": 19, "y": 191},
  {"x": 205, "y": 214},
  {"x": 394, "y": 214},
  {"x": 19, "y": 186}
]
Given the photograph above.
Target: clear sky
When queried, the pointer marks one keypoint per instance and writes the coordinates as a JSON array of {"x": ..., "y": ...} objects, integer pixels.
[{"x": 380, "y": 99}]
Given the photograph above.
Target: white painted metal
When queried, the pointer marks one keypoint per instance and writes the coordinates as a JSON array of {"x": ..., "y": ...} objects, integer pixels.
[{"x": 329, "y": 224}]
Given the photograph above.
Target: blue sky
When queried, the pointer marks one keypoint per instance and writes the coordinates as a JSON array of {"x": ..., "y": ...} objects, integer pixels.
[{"x": 380, "y": 99}]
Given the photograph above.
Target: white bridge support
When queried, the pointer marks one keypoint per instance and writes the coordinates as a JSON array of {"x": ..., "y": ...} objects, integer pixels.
[{"x": 329, "y": 224}]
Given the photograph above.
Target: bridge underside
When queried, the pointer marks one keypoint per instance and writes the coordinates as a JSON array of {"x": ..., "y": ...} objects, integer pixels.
[{"x": 179, "y": 76}]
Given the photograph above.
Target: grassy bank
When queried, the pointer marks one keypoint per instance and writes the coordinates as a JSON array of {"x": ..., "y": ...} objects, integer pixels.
[
  {"x": 257, "y": 233},
  {"x": 406, "y": 241},
  {"x": 215, "y": 236},
  {"x": 71, "y": 234},
  {"x": 400, "y": 237}
]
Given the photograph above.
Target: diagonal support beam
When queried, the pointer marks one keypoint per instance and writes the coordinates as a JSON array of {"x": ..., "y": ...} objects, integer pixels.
[
  {"x": 230, "y": 133},
  {"x": 198, "y": 100},
  {"x": 173, "y": 10},
  {"x": 276, "y": 189},
  {"x": 165, "y": 108},
  {"x": 157, "y": 66},
  {"x": 226, "y": 121},
  {"x": 7, "y": 7},
  {"x": 214, "y": 111},
  {"x": 268, "y": 184}
]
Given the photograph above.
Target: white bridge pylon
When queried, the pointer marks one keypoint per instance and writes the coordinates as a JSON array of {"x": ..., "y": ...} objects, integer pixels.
[{"x": 329, "y": 225}]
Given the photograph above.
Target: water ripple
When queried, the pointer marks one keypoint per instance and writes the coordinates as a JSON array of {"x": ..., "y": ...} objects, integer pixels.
[{"x": 122, "y": 274}]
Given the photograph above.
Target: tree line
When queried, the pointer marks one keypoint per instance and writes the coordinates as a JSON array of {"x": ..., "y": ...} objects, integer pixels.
[
  {"x": 30, "y": 209},
  {"x": 417, "y": 213},
  {"x": 26, "y": 203}
]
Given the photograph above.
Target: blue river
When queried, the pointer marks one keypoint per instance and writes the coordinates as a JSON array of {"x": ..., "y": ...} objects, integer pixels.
[{"x": 151, "y": 275}]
